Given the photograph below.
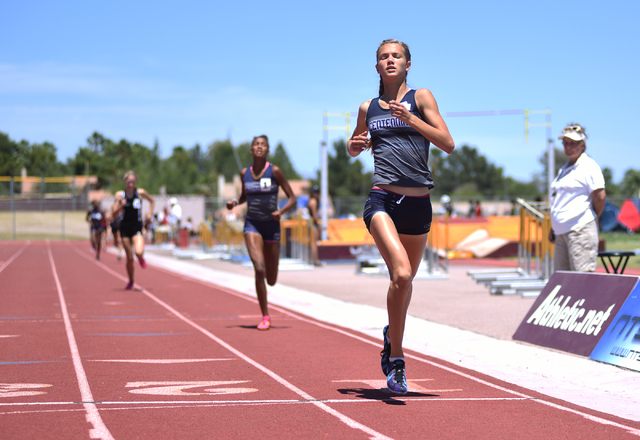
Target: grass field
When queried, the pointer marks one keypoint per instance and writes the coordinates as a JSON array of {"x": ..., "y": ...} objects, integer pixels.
[
  {"x": 51, "y": 225},
  {"x": 621, "y": 241}
]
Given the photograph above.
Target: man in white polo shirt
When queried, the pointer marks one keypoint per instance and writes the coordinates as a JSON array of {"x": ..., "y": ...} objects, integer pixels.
[
  {"x": 577, "y": 200},
  {"x": 175, "y": 217}
]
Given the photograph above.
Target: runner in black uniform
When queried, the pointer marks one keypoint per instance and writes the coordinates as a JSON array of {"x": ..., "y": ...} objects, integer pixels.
[
  {"x": 128, "y": 204},
  {"x": 97, "y": 220},
  {"x": 402, "y": 123},
  {"x": 262, "y": 223},
  {"x": 115, "y": 231}
]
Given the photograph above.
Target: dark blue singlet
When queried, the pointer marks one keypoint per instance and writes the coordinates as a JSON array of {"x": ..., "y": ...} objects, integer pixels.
[
  {"x": 97, "y": 219},
  {"x": 262, "y": 200},
  {"x": 400, "y": 152},
  {"x": 262, "y": 194}
]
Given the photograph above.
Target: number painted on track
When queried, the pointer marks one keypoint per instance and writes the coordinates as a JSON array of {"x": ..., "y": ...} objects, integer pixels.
[
  {"x": 18, "y": 389},
  {"x": 178, "y": 388}
]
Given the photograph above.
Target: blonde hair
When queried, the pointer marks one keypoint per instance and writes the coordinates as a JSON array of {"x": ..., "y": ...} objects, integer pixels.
[{"x": 129, "y": 174}]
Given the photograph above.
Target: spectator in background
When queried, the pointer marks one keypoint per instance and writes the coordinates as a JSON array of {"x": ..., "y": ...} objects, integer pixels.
[
  {"x": 514, "y": 208},
  {"x": 446, "y": 205},
  {"x": 188, "y": 225},
  {"x": 153, "y": 227},
  {"x": 577, "y": 200},
  {"x": 115, "y": 231},
  {"x": 175, "y": 217},
  {"x": 478, "y": 209},
  {"x": 472, "y": 209},
  {"x": 313, "y": 206}
]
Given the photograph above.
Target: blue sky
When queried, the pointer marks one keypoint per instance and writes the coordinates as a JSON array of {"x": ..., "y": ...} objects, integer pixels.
[{"x": 194, "y": 72}]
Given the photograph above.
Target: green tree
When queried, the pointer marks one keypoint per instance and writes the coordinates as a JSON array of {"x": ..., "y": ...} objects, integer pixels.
[
  {"x": 199, "y": 158},
  {"x": 630, "y": 184},
  {"x": 280, "y": 158},
  {"x": 223, "y": 160},
  {"x": 42, "y": 160},
  {"x": 346, "y": 177},
  {"x": 559, "y": 160},
  {"x": 611, "y": 188},
  {"x": 465, "y": 168},
  {"x": 515, "y": 188},
  {"x": 12, "y": 155},
  {"x": 180, "y": 172}
]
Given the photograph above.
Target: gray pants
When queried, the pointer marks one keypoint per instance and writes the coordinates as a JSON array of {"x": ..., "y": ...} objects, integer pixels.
[{"x": 577, "y": 250}]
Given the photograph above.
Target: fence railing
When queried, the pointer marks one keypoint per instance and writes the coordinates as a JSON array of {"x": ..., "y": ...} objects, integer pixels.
[
  {"x": 535, "y": 251},
  {"x": 44, "y": 193},
  {"x": 535, "y": 256}
]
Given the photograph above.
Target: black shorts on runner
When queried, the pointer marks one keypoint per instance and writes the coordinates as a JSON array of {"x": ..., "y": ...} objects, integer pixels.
[
  {"x": 130, "y": 232},
  {"x": 411, "y": 215},
  {"x": 269, "y": 229}
]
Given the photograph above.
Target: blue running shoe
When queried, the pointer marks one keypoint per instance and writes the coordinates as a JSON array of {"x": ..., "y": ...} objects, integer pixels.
[
  {"x": 396, "y": 380},
  {"x": 386, "y": 351}
]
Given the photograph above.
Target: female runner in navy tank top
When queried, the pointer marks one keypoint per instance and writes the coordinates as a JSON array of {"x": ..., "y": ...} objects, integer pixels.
[
  {"x": 128, "y": 204},
  {"x": 97, "y": 219},
  {"x": 260, "y": 184},
  {"x": 402, "y": 123}
]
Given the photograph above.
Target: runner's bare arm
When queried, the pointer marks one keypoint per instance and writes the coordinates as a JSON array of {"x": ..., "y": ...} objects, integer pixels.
[
  {"x": 360, "y": 141},
  {"x": 284, "y": 184},
  {"x": 118, "y": 204},
  {"x": 152, "y": 203},
  {"x": 243, "y": 197}
]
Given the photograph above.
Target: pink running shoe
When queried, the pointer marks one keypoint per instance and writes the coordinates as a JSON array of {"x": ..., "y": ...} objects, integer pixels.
[
  {"x": 129, "y": 286},
  {"x": 142, "y": 262},
  {"x": 265, "y": 324}
]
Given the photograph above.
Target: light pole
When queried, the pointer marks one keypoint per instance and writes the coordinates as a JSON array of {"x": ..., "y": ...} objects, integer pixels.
[
  {"x": 324, "y": 171},
  {"x": 551, "y": 154}
]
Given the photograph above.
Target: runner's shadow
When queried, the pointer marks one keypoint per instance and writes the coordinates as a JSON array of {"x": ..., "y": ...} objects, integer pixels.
[
  {"x": 382, "y": 394},
  {"x": 255, "y": 327}
]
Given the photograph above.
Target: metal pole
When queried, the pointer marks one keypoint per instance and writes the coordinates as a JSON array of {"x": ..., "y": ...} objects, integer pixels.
[
  {"x": 13, "y": 208},
  {"x": 73, "y": 193},
  {"x": 324, "y": 177},
  {"x": 324, "y": 187},
  {"x": 42, "y": 194},
  {"x": 62, "y": 219},
  {"x": 551, "y": 160}
]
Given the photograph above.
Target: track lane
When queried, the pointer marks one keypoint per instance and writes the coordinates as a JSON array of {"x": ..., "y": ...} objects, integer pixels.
[
  {"x": 36, "y": 362},
  {"x": 332, "y": 366},
  {"x": 213, "y": 345},
  {"x": 316, "y": 371}
]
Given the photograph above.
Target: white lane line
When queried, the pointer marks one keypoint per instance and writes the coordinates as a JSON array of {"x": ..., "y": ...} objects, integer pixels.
[
  {"x": 324, "y": 407},
  {"x": 99, "y": 430},
  {"x": 163, "y": 403},
  {"x": 13, "y": 257},
  {"x": 159, "y": 361}
]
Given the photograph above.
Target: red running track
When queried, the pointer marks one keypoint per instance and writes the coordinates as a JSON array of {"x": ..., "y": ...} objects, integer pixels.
[{"x": 82, "y": 358}]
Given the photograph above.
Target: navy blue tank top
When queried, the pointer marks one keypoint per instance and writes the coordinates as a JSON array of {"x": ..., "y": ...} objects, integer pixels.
[
  {"x": 132, "y": 211},
  {"x": 96, "y": 218},
  {"x": 262, "y": 194},
  {"x": 400, "y": 152}
]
